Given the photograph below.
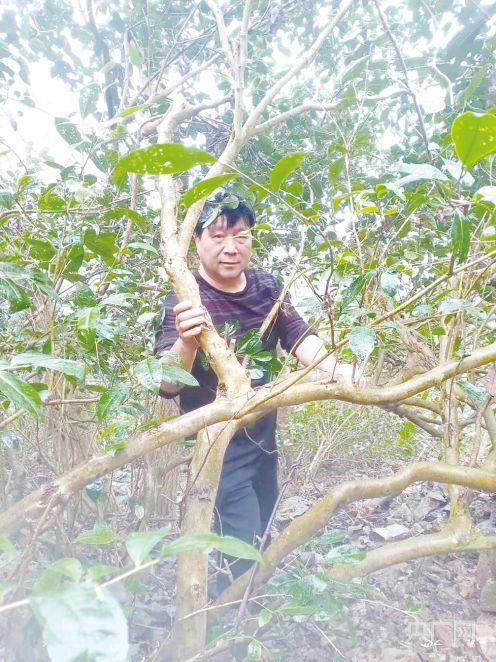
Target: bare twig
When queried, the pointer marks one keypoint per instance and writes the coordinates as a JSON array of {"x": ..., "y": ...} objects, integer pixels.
[{"x": 406, "y": 79}]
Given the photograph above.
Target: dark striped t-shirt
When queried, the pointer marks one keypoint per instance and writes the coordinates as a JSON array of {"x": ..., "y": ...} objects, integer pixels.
[{"x": 247, "y": 309}]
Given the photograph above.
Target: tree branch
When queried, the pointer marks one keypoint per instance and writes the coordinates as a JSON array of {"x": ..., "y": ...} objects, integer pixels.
[
  {"x": 456, "y": 536},
  {"x": 304, "y": 527},
  {"x": 152, "y": 123},
  {"x": 165, "y": 94},
  {"x": 304, "y": 60},
  {"x": 244, "y": 409},
  {"x": 406, "y": 80},
  {"x": 292, "y": 112}
]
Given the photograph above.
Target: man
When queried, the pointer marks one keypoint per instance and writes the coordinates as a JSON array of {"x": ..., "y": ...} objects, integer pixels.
[{"x": 230, "y": 290}]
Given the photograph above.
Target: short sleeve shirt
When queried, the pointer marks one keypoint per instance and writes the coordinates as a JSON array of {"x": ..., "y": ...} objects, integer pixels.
[{"x": 248, "y": 309}]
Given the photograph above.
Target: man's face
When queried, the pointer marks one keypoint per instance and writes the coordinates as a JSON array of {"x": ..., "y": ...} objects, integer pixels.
[{"x": 224, "y": 252}]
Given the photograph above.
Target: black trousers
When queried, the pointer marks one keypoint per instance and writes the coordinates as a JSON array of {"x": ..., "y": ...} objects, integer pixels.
[{"x": 248, "y": 486}]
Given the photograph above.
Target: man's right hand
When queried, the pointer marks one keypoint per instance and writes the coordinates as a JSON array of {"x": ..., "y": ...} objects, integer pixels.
[{"x": 190, "y": 321}]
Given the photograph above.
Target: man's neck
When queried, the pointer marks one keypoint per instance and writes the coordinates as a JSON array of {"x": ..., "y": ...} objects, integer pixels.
[{"x": 232, "y": 286}]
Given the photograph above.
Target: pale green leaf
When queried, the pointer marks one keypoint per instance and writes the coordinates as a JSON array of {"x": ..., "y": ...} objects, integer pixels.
[
  {"x": 460, "y": 235},
  {"x": 111, "y": 400},
  {"x": 418, "y": 172},
  {"x": 68, "y": 131},
  {"x": 20, "y": 393},
  {"x": 362, "y": 341},
  {"x": 120, "y": 212},
  {"x": 99, "y": 536},
  {"x": 487, "y": 194},
  {"x": 476, "y": 392},
  {"x": 37, "y": 360},
  {"x": 88, "y": 97},
  {"x": 283, "y": 168},
  {"x": 474, "y": 135},
  {"x": 390, "y": 283},
  {"x": 206, "y": 542},
  {"x": 163, "y": 159},
  {"x": 205, "y": 187},
  {"x": 82, "y": 622},
  {"x": 139, "y": 545},
  {"x": 67, "y": 566}
]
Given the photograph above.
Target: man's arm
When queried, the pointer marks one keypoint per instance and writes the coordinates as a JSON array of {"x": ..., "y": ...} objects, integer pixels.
[
  {"x": 189, "y": 324},
  {"x": 312, "y": 347}
]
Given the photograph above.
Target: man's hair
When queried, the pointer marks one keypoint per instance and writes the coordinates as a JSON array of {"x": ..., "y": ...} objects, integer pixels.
[{"x": 214, "y": 208}]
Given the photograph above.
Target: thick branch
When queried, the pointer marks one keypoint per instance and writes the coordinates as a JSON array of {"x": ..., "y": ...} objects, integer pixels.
[
  {"x": 150, "y": 126},
  {"x": 245, "y": 409},
  {"x": 457, "y": 536},
  {"x": 304, "y": 527}
]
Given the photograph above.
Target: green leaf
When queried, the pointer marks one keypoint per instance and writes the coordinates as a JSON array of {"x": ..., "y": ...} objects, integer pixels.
[
  {"x": 206, "y": 542},
  {"x": 254, "y": 652},
  {"x": 205, "y": 187},
  {"x": 333, "y": 537},
  {"x": 84, "y": 296},
  {"x": 487, "y": 194},
  {"x": 102, "y": 244},
  {"x": 419, "y": 171},
  {"x": 11, "y": 440},
  {"x": 88, "y": 97},
  {"x": 355, "y": 68},
  {"x": 50, "y": 201},
  {"x": 362, "y": 341},
  {"x": 131, "y": 110},
  {"x": 82, "y": 622},
  {"x": 20, "y": 393},
  {"x": 390, "y": 283},
  {"x": 335, "y": 169},
  {"x": 99, "y": 536},
  {"x": 477, "y": 393},
  {"x": 355, "y": 287},
  {"x": 40, "y": 249},
  {"x": 87, "y": 319},
  {"x": 16, "y": 295},
  {"x": 460, "y": 235},
  {"x": 474, "y": 135},
  {"x": 99, "y": 570},
  {"x": 449, "y": 306},
  {"x": 144, "y": 246},
  {"x": 37, "y": 360},
  {"x": 7, "y": 548},
  {"x": 150, "y": 373},
  {"x": 68, "y": 131},
  {"x": 166, "y": 159},
  {"x": 176, "y": 375},
  {"x": 71, "y": 258},
  {"x": 111, "y": 400},
  {"x": 264, "y": 618},
  {"x": 126, "y": 212},
  {"x": 67, "y": 566},
  {"x": 134, "y": 54},
  {"x": 283, "y": 168},
  {"x": 139, "y": 545},
  {"x": 345, "y": 554},
  {"x": 119, "y": 300}
]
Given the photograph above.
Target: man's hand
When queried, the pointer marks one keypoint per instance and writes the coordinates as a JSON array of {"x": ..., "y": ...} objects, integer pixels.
[{"x": 190, "y": 321}]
